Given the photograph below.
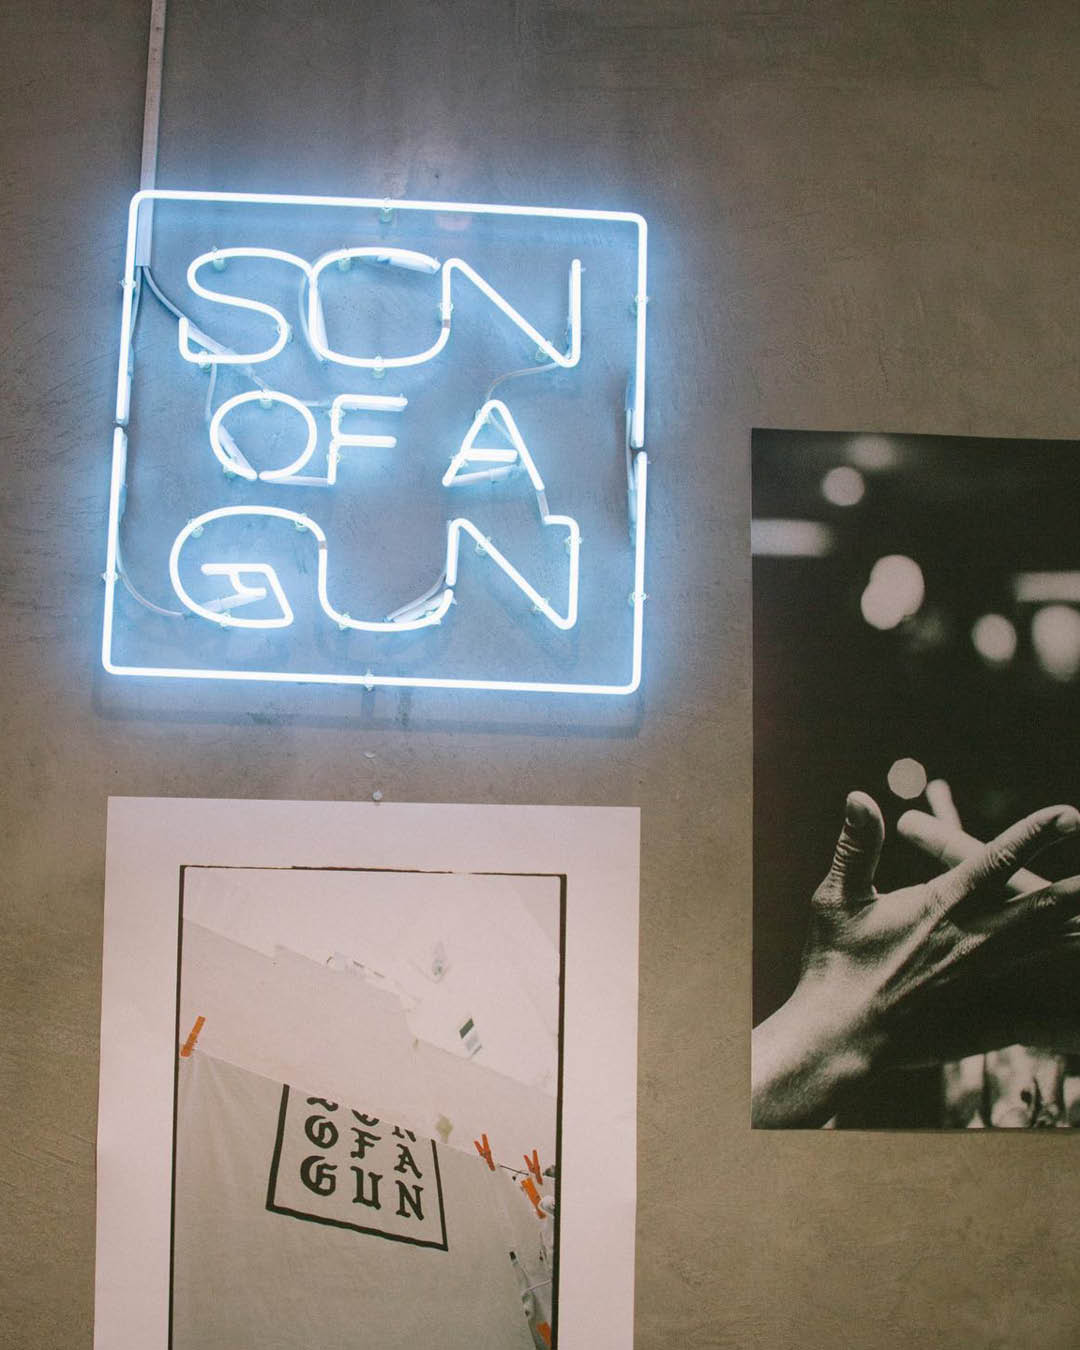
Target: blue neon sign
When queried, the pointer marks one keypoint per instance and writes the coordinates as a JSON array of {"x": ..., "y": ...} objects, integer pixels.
[{"x": 243, "y": 522}]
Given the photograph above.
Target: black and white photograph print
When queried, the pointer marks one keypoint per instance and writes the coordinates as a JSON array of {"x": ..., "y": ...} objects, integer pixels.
[
  {"x": 367, "y": 1129},
  {"x": 916, "y": 668}
]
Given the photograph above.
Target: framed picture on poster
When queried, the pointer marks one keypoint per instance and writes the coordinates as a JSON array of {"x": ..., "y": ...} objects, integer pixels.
[{"x": 367, "y": 1065}]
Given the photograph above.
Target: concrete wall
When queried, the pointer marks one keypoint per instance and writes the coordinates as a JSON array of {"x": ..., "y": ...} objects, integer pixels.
[{"x": 864, "y": 216}]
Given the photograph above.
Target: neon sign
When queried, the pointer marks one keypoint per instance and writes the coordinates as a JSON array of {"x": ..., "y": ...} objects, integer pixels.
[{"x": 287, "y": 325}]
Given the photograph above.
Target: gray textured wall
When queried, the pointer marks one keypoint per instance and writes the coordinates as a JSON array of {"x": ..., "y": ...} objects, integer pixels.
[{"x": 864, "y": 216}]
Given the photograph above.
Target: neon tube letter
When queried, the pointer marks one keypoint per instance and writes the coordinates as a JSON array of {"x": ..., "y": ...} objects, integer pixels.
[
  {"x": 231, "y": 570},
  {"x": 227, "y": 457},
  {"x": 347, "y": 403},
  {"x": 470, "y": 453},
  {"x": 220, "y": 357},
  {"x": 422, "y": 262}
]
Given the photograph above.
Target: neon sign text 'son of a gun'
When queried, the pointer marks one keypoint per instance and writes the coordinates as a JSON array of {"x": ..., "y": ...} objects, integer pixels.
[
  {"x": 210, "y": 353},
  {"x": 248, "y": 591}
]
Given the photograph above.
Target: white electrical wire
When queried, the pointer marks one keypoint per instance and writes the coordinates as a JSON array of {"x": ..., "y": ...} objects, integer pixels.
[
  {"x": 516, "y": 374},
  {"x": 129, "y": 586}
]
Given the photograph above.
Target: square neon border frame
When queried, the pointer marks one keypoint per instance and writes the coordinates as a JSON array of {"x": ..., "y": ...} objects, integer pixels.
[{"x": 636, "y": 437}]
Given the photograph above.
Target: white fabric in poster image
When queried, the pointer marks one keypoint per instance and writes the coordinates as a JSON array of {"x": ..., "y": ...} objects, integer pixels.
[
  {"x": 363, "y": 982},
  {"x": 251, "y": 1277}
]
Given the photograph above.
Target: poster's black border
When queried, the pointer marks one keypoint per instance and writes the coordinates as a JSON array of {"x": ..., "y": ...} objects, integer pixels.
[
  {"x": 412, "y": 871},
  {"x": 273, "y": 1208}
]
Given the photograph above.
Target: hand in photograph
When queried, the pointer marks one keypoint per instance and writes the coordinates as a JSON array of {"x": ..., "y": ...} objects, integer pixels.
[
  {"x": 1034, "y": 997},
  {"x": 886, "y": 977}
]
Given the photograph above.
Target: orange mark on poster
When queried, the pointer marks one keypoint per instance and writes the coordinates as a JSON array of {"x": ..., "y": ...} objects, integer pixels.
[{"x": 193, "y": 1036}]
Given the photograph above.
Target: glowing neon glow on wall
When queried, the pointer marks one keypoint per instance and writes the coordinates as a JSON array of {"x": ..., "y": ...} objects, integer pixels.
[{"x": 230, "y": 586}]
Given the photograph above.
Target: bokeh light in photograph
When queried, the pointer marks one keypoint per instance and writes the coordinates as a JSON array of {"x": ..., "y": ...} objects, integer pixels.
[
  {"x": 907, "y": 778},
  {"x": 894, "y": 592},
  {"x": 1055, "y": 635},
  {"x": 994, "y": 638},
  {"x": 843, "y": 486}
]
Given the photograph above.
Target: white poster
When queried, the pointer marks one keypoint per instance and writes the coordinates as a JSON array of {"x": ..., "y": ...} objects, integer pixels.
[{"x": 367, "y": 1070}]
